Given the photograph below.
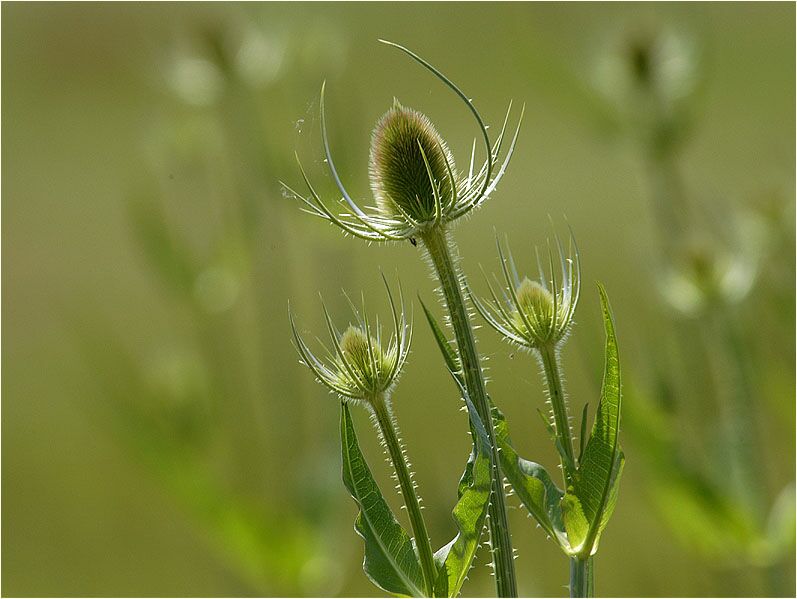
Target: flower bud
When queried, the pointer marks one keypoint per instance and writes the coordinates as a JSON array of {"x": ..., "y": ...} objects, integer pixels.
[
  {"x": 534, "y": 315},
  {"x": 408, "y": 156},
  {"x": 365, "y": 360}
]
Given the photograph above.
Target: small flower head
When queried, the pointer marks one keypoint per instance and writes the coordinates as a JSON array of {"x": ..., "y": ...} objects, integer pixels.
[
  {"x": 361, "y": 366},
  {"x": 413, "y": 176},
  {"x": 364, "y": 357},
  {"x": 533, "y": 314}
]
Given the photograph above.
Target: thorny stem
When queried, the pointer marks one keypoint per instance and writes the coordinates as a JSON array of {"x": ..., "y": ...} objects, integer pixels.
[
  {"x": 387, "y": 426},
  {"x": 550, "y": 363},
  {"x": 582, "y": 577},
  {"x": 440, "y": 249}
]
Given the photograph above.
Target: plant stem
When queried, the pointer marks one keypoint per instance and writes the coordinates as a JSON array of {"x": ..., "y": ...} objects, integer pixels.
[
  {"x": 550, "y": 363},
  {"x": 388, "y": 428},
  {"x": 441, "y": 250},
  {"x": 582, "y": 582},
  {"x": 582, "y": 577}
]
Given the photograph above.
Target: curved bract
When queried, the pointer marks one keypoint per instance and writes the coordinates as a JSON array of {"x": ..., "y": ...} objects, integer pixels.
[{"x": 413, "y": 174}]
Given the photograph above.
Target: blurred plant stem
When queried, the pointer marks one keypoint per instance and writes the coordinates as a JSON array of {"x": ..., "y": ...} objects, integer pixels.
[{"x": 668, "y": 198}]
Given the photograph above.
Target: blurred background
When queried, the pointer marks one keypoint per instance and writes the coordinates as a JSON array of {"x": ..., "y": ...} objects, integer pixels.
[{"x": 160, "y": 437}]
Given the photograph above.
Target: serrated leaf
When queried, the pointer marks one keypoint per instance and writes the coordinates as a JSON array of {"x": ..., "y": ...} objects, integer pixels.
[
  {"x": 599, "y": 469},
  {"x": 531, "y": 482},
  {"x": 454, "y": 559},
  {"x": 390, "y": 559}
]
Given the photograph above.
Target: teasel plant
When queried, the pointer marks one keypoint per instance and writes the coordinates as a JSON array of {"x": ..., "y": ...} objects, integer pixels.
[
  {"x": 363, "y": 369},
  {"x": 537, "y": 316},
  {"x": 419, "y": 196}
]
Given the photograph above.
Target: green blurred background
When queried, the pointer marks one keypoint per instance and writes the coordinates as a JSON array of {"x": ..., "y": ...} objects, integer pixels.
[{"x": 159, "y": 436}]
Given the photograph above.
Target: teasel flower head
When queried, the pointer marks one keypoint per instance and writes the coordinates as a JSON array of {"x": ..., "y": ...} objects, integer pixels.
[
  {"x": 413, "y": 175},
  {"x": 363, "y": 364},
  {"x": 534, "y": 313},
  {"x": 705, "y": 273}
]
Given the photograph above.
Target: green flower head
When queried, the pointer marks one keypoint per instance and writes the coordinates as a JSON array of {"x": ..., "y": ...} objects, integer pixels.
[
  {"x": 363, "y": 364},
  {"x": 534, "y": 314},
  {"x": 413, "y": 175},
  {"x": 411, "y": 167}
]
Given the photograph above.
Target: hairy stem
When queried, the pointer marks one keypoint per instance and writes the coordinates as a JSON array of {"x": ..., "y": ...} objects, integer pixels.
[
  {"x": 445, "y": 265},
  {"x": 556, "y": 392},
  {"x": 387, "y": 426},
  {"x": 582, "y": 577},
  {"x": 581, "y": 569}
]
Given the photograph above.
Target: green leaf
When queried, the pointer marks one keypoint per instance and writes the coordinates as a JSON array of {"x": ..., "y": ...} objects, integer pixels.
[
  {"x": 448, "y": 352},
  {"x": 470, "y": 512},
  {"x": 576, "y": 523},
  {"x": 595, "y": 484},
  {"x": 583, "y": 437},
  {"x": 390, "y": 559},
  {"x": 478, "y": 429},
  {"x": 532, "y": 484},
  {"x": 167, "y": 254},
  {"x": 700, "y": 513},
  {"x": 779, "y": 533}
]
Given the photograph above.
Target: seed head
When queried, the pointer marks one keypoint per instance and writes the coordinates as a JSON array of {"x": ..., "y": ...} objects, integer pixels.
[
  {"x": 409, "y": 165},
  {"x": 412, "y": 172}
]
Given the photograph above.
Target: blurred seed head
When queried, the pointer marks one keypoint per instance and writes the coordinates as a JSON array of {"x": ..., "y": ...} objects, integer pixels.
[
  {"x": 658, "y": 61},
  {"x": 705, "y": 273},
  {"x": 651, "y": 75},
  {"x": 195, "y": 81},
  {"x": 260, "y": 57}
]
